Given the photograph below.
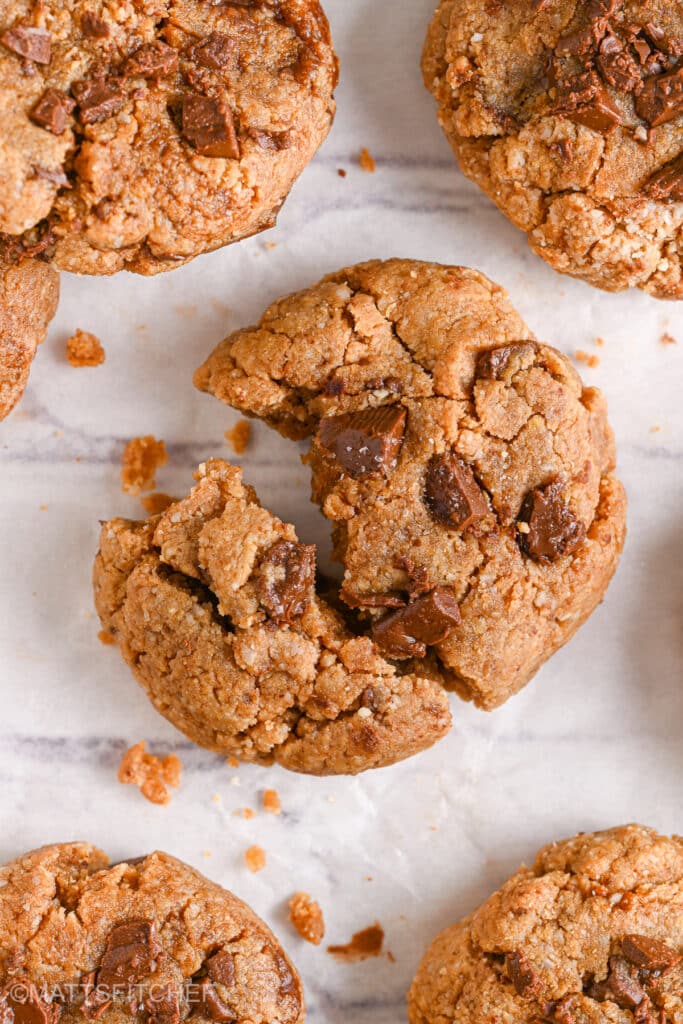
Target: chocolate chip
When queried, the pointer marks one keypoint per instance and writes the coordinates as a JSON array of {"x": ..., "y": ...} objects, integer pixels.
[
  {"x": 93, "y": 26},
  {"x": 366, "y": 443},
  {"x": 21, "y": 1003},
  {"x": 221, "y": 968},
  {"x": 391, "y": 599},
  {"x": 666, "y": 184},
  {"x": 617, "y": 66},
  {"x": 585, "y": 100},
  {"x": 504, "y": 362},
  {"x": 286, "y": 580},
  {"x": 217, "y": 51},
  {"x": 408, "y": 632},
  {"x": 649, "y": 954},
  {"x": 208, "y": 125},
  {"x": 621, "y": 985},
  {"x": 163, "y": 1006},
  {"x": 551, "y": 529},
  {"x": 97, "y": 99},
  {"x": 525, "y": 979},
  {"x": 52, "y": 111},
  {"x": 452, "y": 494},
  {"x": 130, "y": 954},
  {"x": 212, "y": 1006},
  {"x": 31, "y": 43},
  {"x": 153, "y": 60},
  {"x": 661, "y": 99}
]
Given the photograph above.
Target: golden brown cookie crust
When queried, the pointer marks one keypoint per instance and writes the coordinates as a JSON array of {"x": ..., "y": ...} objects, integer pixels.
[
  {"x": 142, "y": 135},
  {"x": 482, "y": 401},
  {"x": 199, "y": 950},
  {"x": 592, "y": 933},
  {"x": 553, "y": 109}
]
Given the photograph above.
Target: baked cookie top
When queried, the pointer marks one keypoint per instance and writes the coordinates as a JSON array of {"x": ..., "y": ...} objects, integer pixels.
[
  {"x": 457, "y": 457},
  {"x": 139, "y": 135},
  {"x": 569, "y": 115},
  {"x": 592, "y": 933},
  {"x": 148, "y": 940}
]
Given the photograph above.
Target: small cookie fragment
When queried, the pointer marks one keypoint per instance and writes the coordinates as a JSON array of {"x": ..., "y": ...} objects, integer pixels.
[
  {"x": 271, "y": 802},
  {"x": 364, "y": 944},
  {"x": 239, "y": 436},
  {"x": 141, "y": 458},
  {"x": 84, "y": 349},
  {"x": 307, "y": 917},
  {"x": 366, "y": 161},
  {"x": 150, "y": 773},
  {"x": 255, "y": 859}
]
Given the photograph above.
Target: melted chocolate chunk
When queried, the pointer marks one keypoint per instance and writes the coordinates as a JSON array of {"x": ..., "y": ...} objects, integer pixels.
[
  {"x": 52, "y": 111},
  {"x": 617, "y": 66},
  {"x": 221, "y": 968},
  {"x": 504, "y": 362},
  {"x": 408, "y": 632},
  {"x": 30, "y": 43},
  {"x": 392, "y": 599},
  {"x": 585, "y": 100},
  {"x": 211, "y": 1005},
  {"x": 97, "y": 99},
  {"x": 552, "y": 528},
  {"x": 21, "y": 1003},
  {"x": 154, "y": 60},
  {"x": 93, "y": 26},
  {"x": 621, "y": 986},
  {"x": 661, "y": 99},
  {"x": 217, "y": 51},
  {"x": 649, "y": 954},
  {"x": 286, "y": 580},
  {"x": 452, "y": 495},
  {"x": 525, "y": 979},
  {"x": 130, "y": 954},
  {"x": 666, "y": 184},
  {"x": 209, "y": 127},
  {"x": 366, "y": 443}
]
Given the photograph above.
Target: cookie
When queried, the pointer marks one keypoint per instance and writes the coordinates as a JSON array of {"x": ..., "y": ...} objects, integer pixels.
[
  {"x": 149, "y": 940},
  {"x": 591, "y": 934},
  {"x": 467, "y": 472},
  {"x": 213, "y": 605},
  {"x": 29, "y": 292},
  {"x": 142, "y": 135},
  {"x": 569, "y": 116}
]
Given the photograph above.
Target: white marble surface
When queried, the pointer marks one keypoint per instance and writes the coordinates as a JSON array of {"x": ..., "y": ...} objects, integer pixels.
[{"x": 593, "y": 741}]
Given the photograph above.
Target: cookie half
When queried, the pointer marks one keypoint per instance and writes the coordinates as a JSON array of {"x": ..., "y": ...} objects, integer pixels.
[
  {"x": 569, "y": 116},
  {"x": 592, "y": 933},
  {"x": 149, "y": 940}
]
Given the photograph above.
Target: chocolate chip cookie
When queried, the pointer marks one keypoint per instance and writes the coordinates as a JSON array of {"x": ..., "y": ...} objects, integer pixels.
[
  {"x": 29, "y": 291},
  {"x": 569, "y": 116},
  {"x": 468, "y": 473},
  {"x": 213, "y": 605},
  {"x": 140, "y": 135},
  {"x": 591, "y": 934},
  {"x": 149, "y": 940}
]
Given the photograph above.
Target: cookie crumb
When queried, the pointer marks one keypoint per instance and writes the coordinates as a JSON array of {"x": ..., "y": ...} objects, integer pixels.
[
  {"x": 366, "y": 161},
  {"x": 106, "y": 638},
  {"x": 239, "y": 436},
  {"x": 667, "y": 339},
  {"x": 245, "y": 812},
  {"x": 270, "y": 246},
  {"x": 141, "y": 458},
  {"x": 656, "y": 429},
  {"x": 233, "y": 762},
  {"x": 307, "y": 917},
  {"x": 600, "y": 342},
  {"x": 255, "y": 859},
  {"x": 271, "y": 802},
  {"x": 585, "y": 357},
  {"x": 341, "y": 172},
  {"x": 155, "y": 504},
  {"x": 363, "y": 944},
  {"x": 84, "y": 349},
  {"x": 150, "y": 773}
]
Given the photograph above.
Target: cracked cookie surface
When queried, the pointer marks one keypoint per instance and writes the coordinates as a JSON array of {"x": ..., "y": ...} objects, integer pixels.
[
  {"x": 467, "y": 471},
  {"x": 146, "y": 940},
  {"x": 29, "y": 292},
  {"x": 569, "y": 116},
  {"x": 140, "y": 135},
  {"x": 592, "y": 933}
]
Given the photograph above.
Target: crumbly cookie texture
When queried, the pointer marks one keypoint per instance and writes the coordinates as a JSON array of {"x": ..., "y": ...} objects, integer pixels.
[
  {"x": 591, "y": 934},
  {"x": 467, "y": 471},
  {"x": 29, "y": 292},
  {"x": 213, "y": 605},
  {"x": 569, "y": 116},
  {"x": 147, "y": 940},
  {"x": 138, "y": 136}
]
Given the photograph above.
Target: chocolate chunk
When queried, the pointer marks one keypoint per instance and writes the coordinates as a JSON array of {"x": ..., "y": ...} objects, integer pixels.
[
  {"x": 408, "y": 632},
  {"x": 551, "y": 528},
  {"x": 154, "y": 60},
  {"x": 452, "y": 494},
  {"x": 391, "y": 599},
  {"x": 504, "y": 362},
  {"x": 617, "y": 66},
  {"x": 93, "y": 26},
  {"x": 97, "y": 99},
  {"x": 275, "y": 142},
  {"x": 130, "y": 954},
  {"x": 97, "y": 1000},
  {"x": 622, "y": 986},
  {"x": 221, "y": 968},
  {"x": 212, "y": 1006},
  {"x": 525, "y": 979},
  {"x": 163, "y": 1006},
  {"x": 21, "y": 1003},
  {"x": 286, "y": 580},
  {"x": 208, "y": 125},
  {"x": 649, "y": 954},
  {"x": 52, "y": 111},
  {"x": 666, "y": 184},
  {"x": 217, "y": 51},
  {"x": 661, "y": 99},
  {"x": 31, "y": 43},
  {"x": 366, "y": 443},
  {"x": 585, "y": 100}
]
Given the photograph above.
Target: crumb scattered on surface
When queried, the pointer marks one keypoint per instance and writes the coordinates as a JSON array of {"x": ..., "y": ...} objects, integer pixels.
[
  {"x": 43, "y": 508},
  {"x": 270, "y": 245},
  {"x": 207, "y": 853},
  {"x": 233, "y": 762},
  {"x": 341, "y": 172},
  {"x": 238, "y": 437},
  {"x": 150, "y": 773},
  {"x": 363, "y": 944},
  {"x": 255, "y": 859},
  {"x": 217, "y": 799},
  {"x": 141, "y": 458},
  {"x": 84, "y": 349},
  {"x": 390, "y": 957},
  {"x": 600, "y": 342},
  {"x": 307, "y": 917},
  {"x": 271, "y": 802},
  {"x": 106, "y": 638},
  {"x": 655, "y": 429},
  {"x": 587, "y": 359},
  {"x": 155, "y": 504},
  {"x": 667, "y": 339},
  {"x": 245, "y": 812},
  {"x": 366, "y": 161}
]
